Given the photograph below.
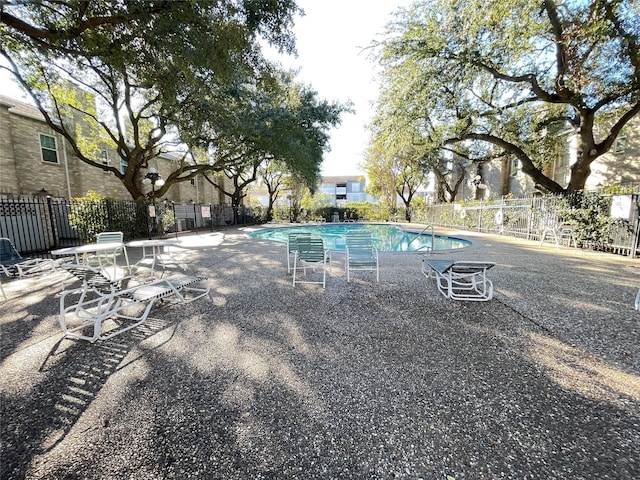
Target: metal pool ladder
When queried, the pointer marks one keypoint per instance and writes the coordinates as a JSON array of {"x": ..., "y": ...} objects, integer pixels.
[{"x": 429, "y": 249}]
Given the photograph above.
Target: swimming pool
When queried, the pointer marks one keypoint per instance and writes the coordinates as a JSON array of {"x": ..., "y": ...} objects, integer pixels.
[{"x": 386, "y": 237}]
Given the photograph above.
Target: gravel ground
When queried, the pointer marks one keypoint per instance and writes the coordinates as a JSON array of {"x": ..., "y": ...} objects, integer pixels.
[{"x": 359, "y": 380}]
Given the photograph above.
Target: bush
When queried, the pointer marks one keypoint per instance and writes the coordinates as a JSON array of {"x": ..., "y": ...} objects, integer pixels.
[
  {"x": 590, "y": 211},
  {"x": 89, "y": 215},
  {"x": 96, "y": 213}
]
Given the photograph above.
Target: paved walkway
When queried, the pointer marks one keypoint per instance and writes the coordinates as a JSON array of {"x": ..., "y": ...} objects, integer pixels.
[{"x": 361, "y": 380}]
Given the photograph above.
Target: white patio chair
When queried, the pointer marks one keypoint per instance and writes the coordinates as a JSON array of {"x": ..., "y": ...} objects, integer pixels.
[
  {"x": 560, "y": 232},
  {"x": 360, "y": 253},
  {"x": 102, "y": 299},
  {"x": 108, "y": 257},
  {"x": 460, "y": 280},
  {"x": 292, "y": 247},
  {"x": 310, "y": 254}
]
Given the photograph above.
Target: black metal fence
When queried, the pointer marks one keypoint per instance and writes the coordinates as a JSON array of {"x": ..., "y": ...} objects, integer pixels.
[{"x": 37, "y": 225}]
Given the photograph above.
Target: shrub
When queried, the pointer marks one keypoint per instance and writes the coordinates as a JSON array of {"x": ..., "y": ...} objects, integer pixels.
[{"x": 590, "y": 211}]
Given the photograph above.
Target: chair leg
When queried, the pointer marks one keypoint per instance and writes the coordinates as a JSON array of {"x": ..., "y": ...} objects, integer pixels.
[{"x": 295, "y": 267}]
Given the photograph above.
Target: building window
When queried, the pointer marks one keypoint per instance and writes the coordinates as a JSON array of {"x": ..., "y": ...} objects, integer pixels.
[
  {"x": 620, "y": 143},
  {"x": 123, "y": 166},
  {"x": 192, "y": 182},
  {"x": 104, "y": 158},
  {"x": 48, "y": 148},
  {"x": 355, "y": 187},
  {"x": 515, "y": 167},
  {"x": 565, "y": 160}
]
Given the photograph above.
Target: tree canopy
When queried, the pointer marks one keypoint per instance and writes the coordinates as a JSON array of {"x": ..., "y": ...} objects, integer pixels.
[
  {"x": 157, "y": 74},
  {"x": 395, "y": 164},
  {"x": 504, "y": 77},
  {"x": 274, "y": 118}
]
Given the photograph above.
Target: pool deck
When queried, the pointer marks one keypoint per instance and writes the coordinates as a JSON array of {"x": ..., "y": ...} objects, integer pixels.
[{"x": 359, "y": 380}]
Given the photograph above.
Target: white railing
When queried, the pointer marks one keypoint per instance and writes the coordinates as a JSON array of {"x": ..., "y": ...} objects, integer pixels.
[{"x": 528, "y": 218}]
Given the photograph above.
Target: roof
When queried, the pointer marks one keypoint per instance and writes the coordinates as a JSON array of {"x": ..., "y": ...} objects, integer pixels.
[
  {"x": 343, "y": 179},
  {"x": 20, "y": 107}
]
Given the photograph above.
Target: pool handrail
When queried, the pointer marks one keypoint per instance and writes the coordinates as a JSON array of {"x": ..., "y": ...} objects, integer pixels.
[{"x": 430, "y": 249}]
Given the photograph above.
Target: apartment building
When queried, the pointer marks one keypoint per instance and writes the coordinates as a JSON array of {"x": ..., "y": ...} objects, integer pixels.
[
  {"x": 344, "y": 189},
  {"x": 619, "y": 166},
  {"x": 35, "y": 160}
]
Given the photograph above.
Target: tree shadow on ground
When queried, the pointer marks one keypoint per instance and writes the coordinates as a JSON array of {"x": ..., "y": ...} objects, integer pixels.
[{"x": 73, "y": 374}]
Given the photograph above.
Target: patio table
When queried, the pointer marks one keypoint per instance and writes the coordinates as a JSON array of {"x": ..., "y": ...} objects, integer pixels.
[
  {"x": 154, "y": 254},
  {"x": 81, "y": 253}
]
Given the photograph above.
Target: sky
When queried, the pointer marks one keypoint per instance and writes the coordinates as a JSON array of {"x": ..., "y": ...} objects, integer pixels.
[{"x": 330, "y": 39}]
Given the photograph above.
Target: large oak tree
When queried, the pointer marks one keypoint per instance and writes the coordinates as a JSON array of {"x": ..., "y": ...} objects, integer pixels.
[
  {"x": 513, "y": 73},
  {"x": 276, "y": 121},
  {"x": 152, "y": 68}
]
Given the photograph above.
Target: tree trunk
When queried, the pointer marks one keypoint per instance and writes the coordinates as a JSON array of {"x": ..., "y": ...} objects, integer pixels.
[
  {"x": 580, "y": 171},
  {"x": 407, "y": 208},
  {"x": 269, "y": 214},
  {"x": 505, "y": 175}
]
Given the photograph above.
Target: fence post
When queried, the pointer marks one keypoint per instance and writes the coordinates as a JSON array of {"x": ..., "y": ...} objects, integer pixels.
[
  {"x": 175, "y": 219},
  {"x": 636, "y": 227},
  {"x": 530, "y": 219},
  {"x": 195, "y": 217},
  {"x": 52, "y": 220},
  {"x": 110, "y": 221}
]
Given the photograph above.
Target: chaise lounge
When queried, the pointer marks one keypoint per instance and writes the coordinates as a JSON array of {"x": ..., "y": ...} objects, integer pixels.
[
  {"x": 102, "y": 299},
  {"x": 460, "y": 280},
  {"x": 14, "y": 265}
]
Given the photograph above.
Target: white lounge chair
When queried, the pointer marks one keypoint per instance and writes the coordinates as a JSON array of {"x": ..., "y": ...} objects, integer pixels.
[
  {"x": 360, "y": 254},
  {"x": 102, "y": 299},
  {"x": 14, "y": 265},
  {"x": 310, "y": 254},
  {"x": 460, "y": 280}
]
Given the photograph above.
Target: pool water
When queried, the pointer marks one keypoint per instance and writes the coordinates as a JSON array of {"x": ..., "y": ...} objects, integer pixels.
[{"x": 386, "y": 237}]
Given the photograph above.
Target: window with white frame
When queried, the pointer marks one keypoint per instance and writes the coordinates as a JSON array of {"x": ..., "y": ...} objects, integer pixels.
[
  {"x": 123, "y": 166},
  {"x": 104, "y": 158},
  {"x": 515, "y": 167},
  {"x": 48, "y": 148},
  {"x": 620, "y": 143}
]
